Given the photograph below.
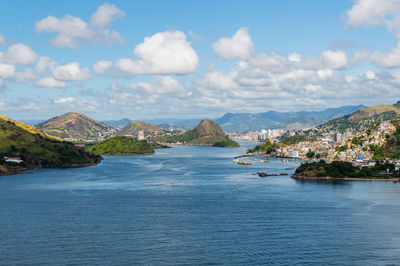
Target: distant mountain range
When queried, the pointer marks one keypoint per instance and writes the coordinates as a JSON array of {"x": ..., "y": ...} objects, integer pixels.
[
  {"x": 78, "y": 127},
  {"x": 287, "y": 120},
  {"x": 362, "y": 119},
  {"x": 133, "y": 128},
  {"x": 162, "y": 122},
  {"x": 118, "y": 124},
  {"x": 255, "y": 121}
]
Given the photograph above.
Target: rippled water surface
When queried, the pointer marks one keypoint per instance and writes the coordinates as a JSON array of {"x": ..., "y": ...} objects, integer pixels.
[{"x": 192, "y": 205}]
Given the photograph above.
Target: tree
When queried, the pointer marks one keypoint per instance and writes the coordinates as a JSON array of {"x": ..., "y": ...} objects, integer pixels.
[{"x": 310, "y": 154}]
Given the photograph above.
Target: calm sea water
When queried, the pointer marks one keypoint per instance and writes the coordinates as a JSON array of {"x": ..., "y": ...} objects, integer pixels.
[{"x": 192, "y": 205}]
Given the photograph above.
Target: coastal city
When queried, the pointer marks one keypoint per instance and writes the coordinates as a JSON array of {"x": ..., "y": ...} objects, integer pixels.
[
  {"x": 349, "y": 146},
  {"x": 229, "y": 132}
]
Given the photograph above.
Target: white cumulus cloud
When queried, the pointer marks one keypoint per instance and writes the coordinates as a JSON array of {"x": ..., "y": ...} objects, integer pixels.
[
  {"x": 105, "y": 14},
  {"x": 239, "y": 45},
  {"x": 7, "y": 72},
  {"x": 216, "y": 80},
  {"x": 18, "y": 54},
  {"x": 371, "y": 12},
  {"x": 294, "y": 57},
  {"x": 159, "y": 85},
  {"x": 102, "y": 66},
  {"x": 45, "y": 64},
  {"x": 163, "y": 53},
  {"x": 72, "y": 31},
  {"x": 377, "y": 13},
  {"x": 50, "y": 82},
  {"x": 334, "y": 59},
  {"x": 71, "y": 72},
  {"x": 65, "y": 100}
]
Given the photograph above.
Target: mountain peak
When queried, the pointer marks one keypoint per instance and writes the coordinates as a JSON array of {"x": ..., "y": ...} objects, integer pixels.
[
  {"x": 208, "y": 127},
  {"x": 76, "y": 127},
  {"x": 133, "y": 128}
]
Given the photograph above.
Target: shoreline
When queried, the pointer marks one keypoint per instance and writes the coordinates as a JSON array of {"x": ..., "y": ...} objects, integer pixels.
[
  {"x": 23, "y": 170},
  {"x": 326, "y": 178}
]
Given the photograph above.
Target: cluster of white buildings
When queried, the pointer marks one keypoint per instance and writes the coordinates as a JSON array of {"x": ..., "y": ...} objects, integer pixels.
[
  {"x": 256, "y": 135},
  {"x": 341, "y": 146},
  {"x": 271, "y": 133}
]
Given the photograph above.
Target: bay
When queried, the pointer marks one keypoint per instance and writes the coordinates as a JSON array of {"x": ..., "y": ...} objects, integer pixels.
[{"x": 192, "y": 205}]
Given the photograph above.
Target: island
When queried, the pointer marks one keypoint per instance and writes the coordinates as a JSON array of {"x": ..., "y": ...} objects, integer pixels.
[
  {"x": 122, "y": 145},
  {"x": 339, "y": 170},
  {"x": 24, "y": 147},
  {"x": 206, "y": 133}
]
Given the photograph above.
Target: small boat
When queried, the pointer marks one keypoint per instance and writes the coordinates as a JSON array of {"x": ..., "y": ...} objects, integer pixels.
[
  {"x": 257, "y": 160},
  {"x": 244, "y": 163},
  {"x": 266, "y": 161}
]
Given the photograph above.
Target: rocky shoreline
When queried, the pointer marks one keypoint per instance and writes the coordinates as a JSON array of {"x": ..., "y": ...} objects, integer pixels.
[
  {"x": 328, "y": 178},
  {"x": 17, "y": 169}
]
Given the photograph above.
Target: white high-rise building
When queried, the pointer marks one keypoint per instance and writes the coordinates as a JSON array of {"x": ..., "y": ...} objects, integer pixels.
[{"x": 264, "y": 134}]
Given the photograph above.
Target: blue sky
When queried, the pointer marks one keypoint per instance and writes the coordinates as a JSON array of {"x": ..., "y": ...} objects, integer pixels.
[{"x": 195, "y": 59}]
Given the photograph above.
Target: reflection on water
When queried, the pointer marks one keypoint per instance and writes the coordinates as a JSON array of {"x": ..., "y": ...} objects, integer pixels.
[{"x": 192, "y": 205}]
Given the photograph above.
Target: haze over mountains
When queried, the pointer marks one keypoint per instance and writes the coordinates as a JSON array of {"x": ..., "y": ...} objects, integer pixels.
[
  {"x": 78, "y": 127},
  {"x": 133, "y": 128},
  {"x": 287, "y": 120},
  {"x": 257, "y": 121},
  {"x": 362, "y": 119}
]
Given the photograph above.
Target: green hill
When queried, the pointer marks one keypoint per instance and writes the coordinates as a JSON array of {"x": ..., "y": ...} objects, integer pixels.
[
  {"x": 363, "y": 119},
  {"x": 122, "y": 146},
  {"x": 339, "y": 170},
  {"x": 37, "y": 150},
  {"x": 31, "y": 129},
  {"x": 207, "y": 132},
  {"x": 76, "y": 127},
  {"x": 132, "y": 129}
]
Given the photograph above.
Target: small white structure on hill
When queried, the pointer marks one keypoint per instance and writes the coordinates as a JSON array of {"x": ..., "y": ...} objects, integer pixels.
[
  {"x": 141, "y": 135},
  {"x": 13, "y": 160}
]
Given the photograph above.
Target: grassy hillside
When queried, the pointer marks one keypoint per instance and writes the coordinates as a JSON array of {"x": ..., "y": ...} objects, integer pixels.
[
  {"x": 29, "y": 128},
  {"x": 121, "y": 146},
  {"x": 76, "y": 127},
  {"x": 38, "y": 151}
]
